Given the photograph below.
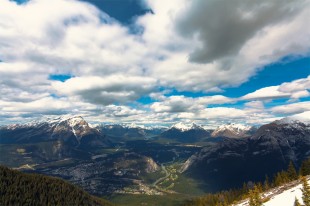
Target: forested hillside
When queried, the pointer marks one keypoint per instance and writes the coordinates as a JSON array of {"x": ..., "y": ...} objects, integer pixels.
[{"x": 17, "y": 188}]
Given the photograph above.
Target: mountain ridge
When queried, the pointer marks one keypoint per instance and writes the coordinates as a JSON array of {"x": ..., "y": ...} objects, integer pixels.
[{"x": 267, "y": 151}]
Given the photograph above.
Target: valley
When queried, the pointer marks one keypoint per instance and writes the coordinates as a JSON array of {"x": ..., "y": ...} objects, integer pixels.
[{"x": 147, "y": 168}]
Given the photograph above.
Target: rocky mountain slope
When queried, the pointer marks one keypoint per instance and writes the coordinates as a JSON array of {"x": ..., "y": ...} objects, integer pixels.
[
  {"x": 49, "y": 140},
  {"x": 233, "y": 131},
  {"x": 186, "y": 133},
  {"x": 234, "y": 161},
  {"x": 72, "y": 131},
  {"x": 130, "y": 131}
]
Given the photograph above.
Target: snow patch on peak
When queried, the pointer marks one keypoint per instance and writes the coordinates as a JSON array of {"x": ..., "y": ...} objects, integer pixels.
[
  {"x": 185, "y": 127},
  {"x": 234, "y": 127},
  {"x": 232, "y": 130},
  {"x": 76, "y": 120},
  {"x": 135, "y": 126},
  {"x": 293, "y": 120},
  {"x": 65, "y": 118}
]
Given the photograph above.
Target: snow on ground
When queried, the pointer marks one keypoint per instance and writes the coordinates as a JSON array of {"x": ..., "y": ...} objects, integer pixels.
[
  {"x": 286, "y": 198},
  {"x": 281, "y": 196}
]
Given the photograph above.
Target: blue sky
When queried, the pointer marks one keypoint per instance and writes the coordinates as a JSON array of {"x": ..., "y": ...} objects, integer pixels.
[{"x": 155, "y": 62}]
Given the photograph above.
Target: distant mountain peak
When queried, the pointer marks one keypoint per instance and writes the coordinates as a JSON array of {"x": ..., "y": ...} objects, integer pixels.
[
  {"x": 185, "y": 127},
  {"x": 235, "y": 127},
  {"x": 73, "y": 130},
  {"x": 232, "y": 130},
  {"x": 293, "y": 120},
  {"x": 72, "y": 119}
]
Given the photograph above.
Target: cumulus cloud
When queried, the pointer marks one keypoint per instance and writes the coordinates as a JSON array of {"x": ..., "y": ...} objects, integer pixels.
[
  {"x": 121, "y": 111},
  {"x": 177, "y": 104},
  {"x": 266, "y": 93},
  {"x": 294, "y": 90},
  {"x": 298, "y": 88},
  {"x": 292, "y": 108},
  {"x": 185, "y": 46},
  {"x": 106, "y": 90},
  {"x": 174, "y": 104},
  {"x": 223, "y": 27},
  {"x": 303, "y": 115}
]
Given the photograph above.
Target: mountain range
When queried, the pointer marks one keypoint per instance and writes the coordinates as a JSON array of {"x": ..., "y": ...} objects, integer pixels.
[
  {"x": 234, "y": 161},
  {"x": 126, "y": 155},
  {"x": 53, "y": 139},
  {"x": 75, "y": 131}
]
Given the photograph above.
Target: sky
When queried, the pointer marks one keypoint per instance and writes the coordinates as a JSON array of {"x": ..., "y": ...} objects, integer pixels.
[{"x": 153, "y": 62}]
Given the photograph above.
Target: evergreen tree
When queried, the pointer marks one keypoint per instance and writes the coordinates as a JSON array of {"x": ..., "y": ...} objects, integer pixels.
[
  {"x": 259, "y": 187},
  {"x": 305, "y": 191},
  {"x": 305, "y": 168},
  {"x": 291, "y": 172},
  {"x": 255, "y": 198},
  {"x": 296, "y": 203},
  {"x": 266, "y": 183},
  {"x": 17, "y": 188},
  {"x": 281, "y": 178}
]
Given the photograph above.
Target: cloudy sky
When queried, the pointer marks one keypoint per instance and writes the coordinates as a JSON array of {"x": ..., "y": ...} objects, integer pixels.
[{"x": 155, "y": 62}]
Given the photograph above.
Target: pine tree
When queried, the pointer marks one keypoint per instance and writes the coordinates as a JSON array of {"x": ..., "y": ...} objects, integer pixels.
[
  {"x": 297, "y": 203},
  {"x": 266, "y": 183},
  {"x": 291, "y": 172},
  {"x": 281, "y": 178},
  {"x": 305, "y": 168},
  {"x": 305, "y": 192},
  {"x": 255, "y": 198}
]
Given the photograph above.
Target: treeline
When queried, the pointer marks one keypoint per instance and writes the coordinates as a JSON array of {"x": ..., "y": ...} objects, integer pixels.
[
  {"x": 17, "y": 188},
  {"x": 252, "y": 190}
]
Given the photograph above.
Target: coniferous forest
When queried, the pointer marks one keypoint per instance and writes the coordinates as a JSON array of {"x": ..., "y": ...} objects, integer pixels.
[{"x": 17, "y": 188}]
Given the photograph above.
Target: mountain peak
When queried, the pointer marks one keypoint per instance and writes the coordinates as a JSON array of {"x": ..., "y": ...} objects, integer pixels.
[
  {"x": 235, "y": 127},
  {"x": 185, "y": 127},
  {"x": 232, "y": 130},
  {"x": 69, "y": 118},
  {"x": 293, "y": 120}
]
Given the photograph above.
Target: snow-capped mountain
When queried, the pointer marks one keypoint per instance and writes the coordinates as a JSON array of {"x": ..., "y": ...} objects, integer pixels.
[
  {"x": 186, "y": 133},
  {"x": 71, "y": 130},
  {"x": 185, "y": 127},
  {"x": 130, "y": 130},
  {"x": 294, "y": 123},
  {"x": 233, "y": 161},
  {"x": 233, "y": 131}
]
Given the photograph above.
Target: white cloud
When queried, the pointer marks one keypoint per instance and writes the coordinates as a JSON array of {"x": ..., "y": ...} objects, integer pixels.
[
  {"x": 224, "y": 27},
  {"x": 266, "y": 93},
  {"x": 294, "y": 90},
  {"x": 303, "y": 115},
  {"x": 292, "y": 108},
  {"x": 111, "y": 66},
  {"x": 177, "y": 104},
  {"x": 299, "y": 88},
  {"x": 174, "y": 104},
  {"x": 106, "y": 90}
]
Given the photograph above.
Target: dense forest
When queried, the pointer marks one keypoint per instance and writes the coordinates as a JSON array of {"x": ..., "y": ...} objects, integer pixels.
[
  {"x": 17, "y": 188},
  {"x": 251, "y": 189}
]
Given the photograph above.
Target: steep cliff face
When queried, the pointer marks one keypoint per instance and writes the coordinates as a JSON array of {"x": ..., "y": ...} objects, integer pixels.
[
  {"x": 151, "y": 165},
  {"x": 232, "y": 161}
]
